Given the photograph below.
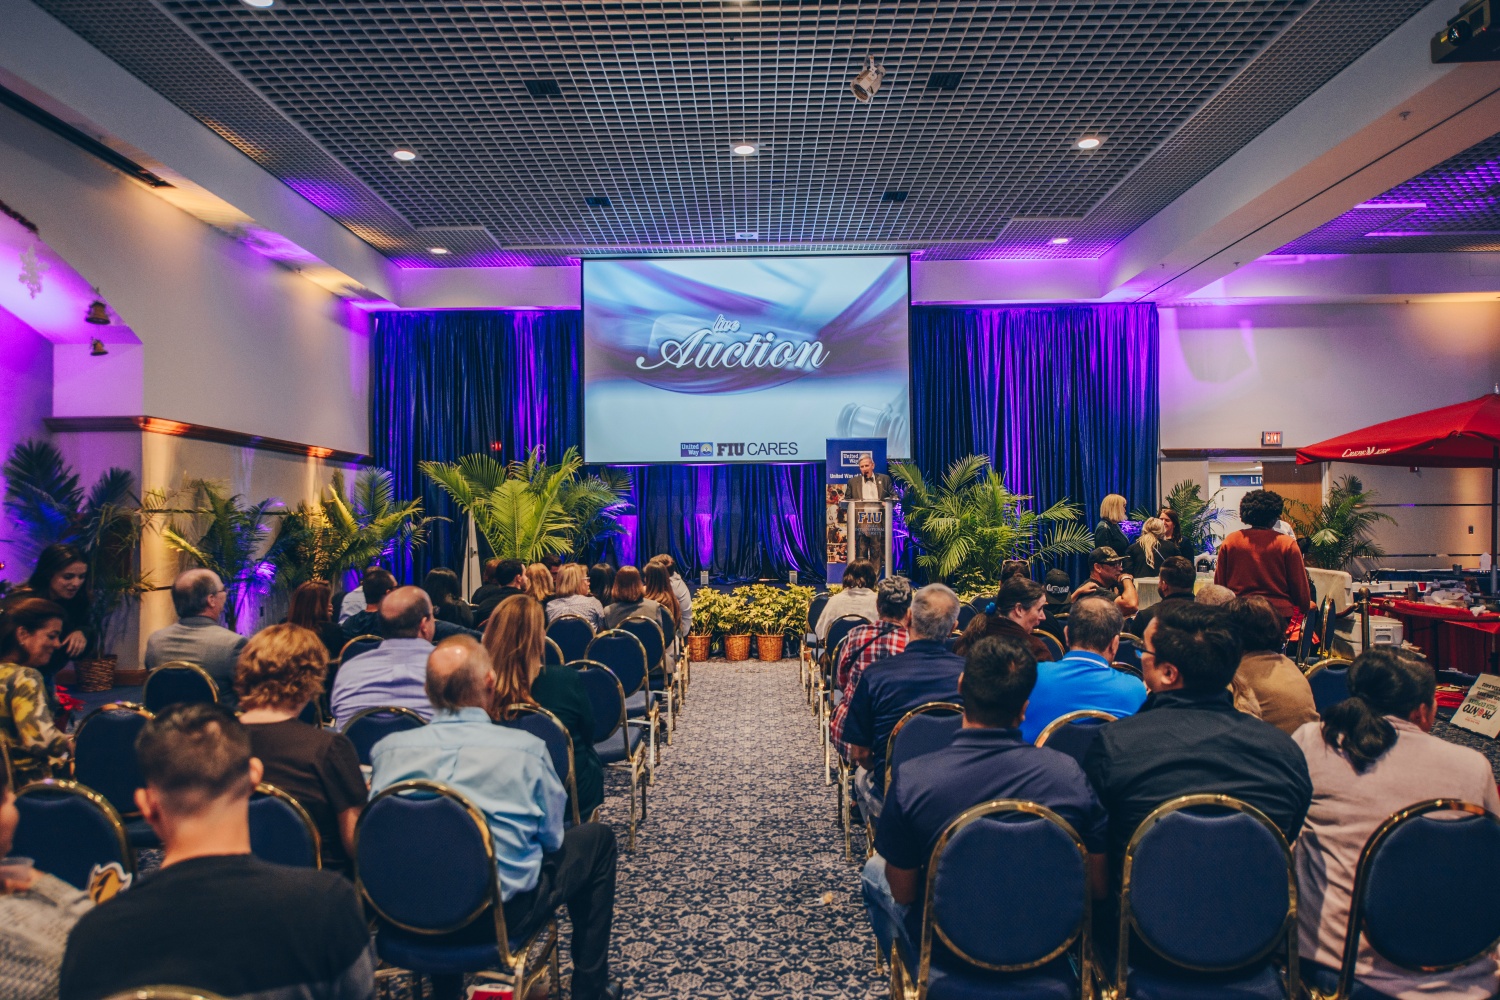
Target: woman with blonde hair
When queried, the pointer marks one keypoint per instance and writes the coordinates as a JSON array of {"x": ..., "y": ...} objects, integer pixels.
[
  {"x": 1147, "y": 553},
  {"x": 515, "y": 637},
  {"x": 574, "y": 597},
  {"x": 1108, "y": 531},
  {"x": 280, "y": 671},
  {"x": 539, "y": 582}
]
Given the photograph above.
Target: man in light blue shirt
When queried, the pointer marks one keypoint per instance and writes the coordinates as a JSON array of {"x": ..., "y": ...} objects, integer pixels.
[
  {"x": 395, "y": 672},
  {"x": 1084, "y": 678},
  {"x": 508, "y": 776}
]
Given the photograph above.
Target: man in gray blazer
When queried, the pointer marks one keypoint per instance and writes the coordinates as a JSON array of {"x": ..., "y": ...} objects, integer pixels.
[{"x": 199, "y": 597}]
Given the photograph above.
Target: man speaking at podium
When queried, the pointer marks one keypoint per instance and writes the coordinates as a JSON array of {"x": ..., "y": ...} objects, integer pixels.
[{"x": 868, "y": 485}]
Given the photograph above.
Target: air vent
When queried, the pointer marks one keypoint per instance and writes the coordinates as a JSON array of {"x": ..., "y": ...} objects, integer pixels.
[
  {"x": 944, "y": 81},
  {"x": 543, "y": 88},
  {"x": 597, "y": 201},
  {"x": 893, "y": 197}
]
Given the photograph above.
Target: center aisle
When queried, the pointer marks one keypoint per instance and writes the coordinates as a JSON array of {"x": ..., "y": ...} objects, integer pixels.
[{"x": 738, "y": 886}]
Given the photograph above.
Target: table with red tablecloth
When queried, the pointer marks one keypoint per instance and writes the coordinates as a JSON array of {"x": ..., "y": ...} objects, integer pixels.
[{"x": 1427, "y": 626}]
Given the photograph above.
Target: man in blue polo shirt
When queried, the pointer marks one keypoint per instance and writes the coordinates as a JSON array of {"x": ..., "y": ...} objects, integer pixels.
[
  {"x": 925, "y": 671},
  {"x": 987, "y": 760},
  {"x": 1084, "y": 678}
]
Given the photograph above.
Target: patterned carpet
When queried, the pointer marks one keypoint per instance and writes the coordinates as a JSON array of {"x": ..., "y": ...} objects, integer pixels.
[{"x": 737, "y": 886}]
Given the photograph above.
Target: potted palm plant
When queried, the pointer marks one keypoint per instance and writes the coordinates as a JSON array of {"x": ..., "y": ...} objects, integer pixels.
[
  {"x": 1196, "y": 516},
  {"x": 1341, "y": 529},
  {"x": 341, "y": 533}
]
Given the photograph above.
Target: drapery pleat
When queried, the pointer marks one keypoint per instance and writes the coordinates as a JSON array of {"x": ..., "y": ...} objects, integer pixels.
[{"x": 1063, "y": 398}]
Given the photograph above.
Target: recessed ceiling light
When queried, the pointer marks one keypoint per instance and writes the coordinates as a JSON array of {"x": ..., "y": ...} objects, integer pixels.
[
  {"x": 260, "y": 3},
  {"x": 404, "y": 155},
  {"x": 1090, "y": 142},
  {"x": 747, "y": 236},
  {"x": 437, "y": 250},
  {"x": 744, "y": 148},
  {"x": 1058, "y": 241}
]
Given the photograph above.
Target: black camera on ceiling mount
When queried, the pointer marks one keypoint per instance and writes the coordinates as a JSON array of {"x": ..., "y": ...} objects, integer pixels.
[{"x": 1469, "y": 37}]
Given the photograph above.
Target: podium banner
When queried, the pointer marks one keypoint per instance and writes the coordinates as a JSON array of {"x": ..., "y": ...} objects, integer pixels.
[{"x": 843, "y": 461}]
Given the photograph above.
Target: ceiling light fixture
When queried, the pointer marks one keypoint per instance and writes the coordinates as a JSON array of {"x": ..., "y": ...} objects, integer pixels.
[
  {"x": 867, "y": 83},
  {"x": 404, "y": 155},
  {"x": 747, "y": 236},
  {"x": 1090, "y": 142},
  {"x": 437, "y": 250},
  {"x": 1058, "y": 241},
  {"x": 260, "y": 4},
  {"x": 743, "y": 148}
]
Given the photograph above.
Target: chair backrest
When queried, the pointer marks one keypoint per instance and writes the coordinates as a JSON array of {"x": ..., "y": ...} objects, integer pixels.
[
  {"x": 552, "y": 653},
  {"x": 1130, "y": 651},
  {"x": 177, "y": 683},
  {"x": 368, "y": 727},
  {"x": 572, "y": 633},
  {"x": 966, "y": 614},
  {"x": 164, "y": 993},
  {"x": 359, "y": 644},
  {"x": 67, "y": 828},
  {"x": 281, "y": 831},
  {"x": 839, "y": 628},
  {"x": 606, "y": 698},
  {"x": 815, "y": 609},
  {"x": 1329, "y": 680},
  {"x": 1128, "y": 668},
  {"x": 1050, "y": 641},
  {"x": 1404, "y": 901},
  {"x": 425, "y": 863},
  {"x": 1074, "y": 733},
  {"x": 924, "y": 729},
  {"x": 991, "y": 913},
  {"x": 104, "y": 753},
  {"x": 548, "y": 728},
  {"x": 312, "y": 714},
  {"x": 648, "y": 630},
  {"x": 1208, "y": 885},
  {"x": 624, "y": 655}
]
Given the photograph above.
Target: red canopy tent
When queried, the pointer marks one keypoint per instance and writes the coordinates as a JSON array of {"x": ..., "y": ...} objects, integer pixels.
[{"x": 1463, "y": 436}]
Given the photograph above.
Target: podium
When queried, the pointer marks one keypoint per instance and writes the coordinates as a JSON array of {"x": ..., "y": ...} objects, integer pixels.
[{"x": 868, "y": 523}]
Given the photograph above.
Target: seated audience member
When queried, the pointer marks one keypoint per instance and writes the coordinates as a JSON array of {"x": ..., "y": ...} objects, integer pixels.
[
  {"x": 1016, "y": 611},
  {"x": 199, "y": 597},
  {"x": 61, "y": 576},
  {"x": 215, "y": 917},
  {"x": 508, "y": 776},
  {"x": 1372, "y": 756},
  {"x": 1267, "y": 684},
  {"x": 1259, "y": 561},
  {"x": 375, "y": 584},
  {"x": 446, "y": 595},
  {"x": 488, "y": 586},
  {"x": 1056, "y": 587},
  {"x": 312, "y": 609},
  {"x": 539, "y": 582},
  {"x": 1213, "y": 596},
  {"x": 1146, "y": 553},
  {"x": 393, "y": 674},
  {"x": 868, "y": 644},
  {"x": 602, "y": 582},
  {"x": 1084, "y": 678},
  {"x": 658, "y": 584},
  {"x": 1107, "y": 576},
  {"x": 30, "y": 632},
  {"x": 280, "y": 672},
  {"x": 988, "y": 759},
  {"x": 510, "y": 580},
  {"x": 1188, "y": 739},
  {"x": 554, "y": 565},
  {"x": 680, "y": 591},
  {"x": 1175, "y": 580},
  {"x": 924, "y": 671},
  {"x": 1014, "y": 567},
  {"x": 573, "y": 598},
  {"x": 629, "y": 599},
  {"x": 36, "y": 912},
  {"x": 514, "y": 638},
  {"x": 856, "y": 598}
]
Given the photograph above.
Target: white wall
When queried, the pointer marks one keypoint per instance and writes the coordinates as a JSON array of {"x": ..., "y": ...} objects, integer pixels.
[
  {"x": 230, "y": 339},
  {"x": 26, "y": 389},
  {"x": 1315, "y": 371}
]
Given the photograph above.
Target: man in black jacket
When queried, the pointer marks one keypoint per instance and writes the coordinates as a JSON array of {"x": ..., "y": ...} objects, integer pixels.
[{"x": 510, "y": 580}]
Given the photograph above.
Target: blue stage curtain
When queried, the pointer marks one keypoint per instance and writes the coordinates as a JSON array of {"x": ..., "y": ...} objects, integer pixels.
[{"x": 1063, "y": 398}]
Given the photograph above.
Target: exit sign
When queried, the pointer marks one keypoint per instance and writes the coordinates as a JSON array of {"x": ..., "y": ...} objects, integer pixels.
[{"x": 1270, "y": 439}]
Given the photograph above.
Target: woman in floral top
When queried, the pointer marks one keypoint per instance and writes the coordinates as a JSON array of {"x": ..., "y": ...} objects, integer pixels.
[{"x": 30, "y": 633}]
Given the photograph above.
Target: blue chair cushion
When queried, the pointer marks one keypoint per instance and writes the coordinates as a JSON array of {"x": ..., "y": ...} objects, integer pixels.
[
  {"x": 1327, "y": 981},
  {"x": 66, "y": 836},
  {"x": 612, "y": 750},
  {"x": 467, "y": 950},
  {"x": 278, "y": 835},
  {"x": 422, "y": 860},
  {"x": 1054, "y": 981},
  {"x": 638, "y": 705},
  {"x": 1261, "y": 983}
]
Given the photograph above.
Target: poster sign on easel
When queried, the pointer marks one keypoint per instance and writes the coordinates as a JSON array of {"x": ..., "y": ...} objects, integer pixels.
[{"x": 1480, "y": 711}]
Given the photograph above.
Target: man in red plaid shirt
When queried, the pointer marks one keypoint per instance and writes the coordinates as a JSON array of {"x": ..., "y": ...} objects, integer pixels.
[{"x": 866, "y": 644}]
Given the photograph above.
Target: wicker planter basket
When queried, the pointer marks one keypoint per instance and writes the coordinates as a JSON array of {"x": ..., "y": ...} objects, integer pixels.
[
  {"x": 768, "y": 647},
  {"x": 96, "y": 675},
  {"x": 698, "y": 647},
  {"x": 736, "y": 647}
]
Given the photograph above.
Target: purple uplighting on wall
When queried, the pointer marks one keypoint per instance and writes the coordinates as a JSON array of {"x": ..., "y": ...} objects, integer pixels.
[{"x": 1454, "y": 206}]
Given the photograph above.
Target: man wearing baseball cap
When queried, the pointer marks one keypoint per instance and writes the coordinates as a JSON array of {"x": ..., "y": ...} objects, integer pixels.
[
  {"x": 1111, "y": 580},
  {"x": 1058, "y": 588}
]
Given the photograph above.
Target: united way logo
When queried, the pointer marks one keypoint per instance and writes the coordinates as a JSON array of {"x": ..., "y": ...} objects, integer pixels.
[{"x": 697, "y": 449}]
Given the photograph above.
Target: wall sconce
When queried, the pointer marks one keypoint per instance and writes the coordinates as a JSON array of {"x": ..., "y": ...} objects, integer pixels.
[
  {"x": 97, "y": 348},
  {"x": 97, "y": 314}
]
